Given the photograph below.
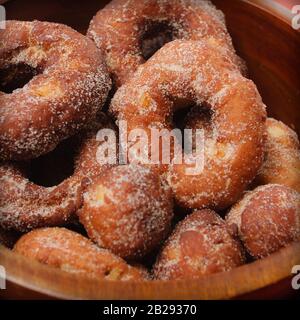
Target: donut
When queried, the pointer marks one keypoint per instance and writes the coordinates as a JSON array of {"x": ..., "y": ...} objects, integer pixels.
[
  {"x": 69, "y": 84},
  {"x": 25, "y": 205},
  {"x": 73, "y": 253},
  {"x": 267, "y": 218},
  {"x": 282, "y": 157},
  {"x": 128, "y": 210},
  {"x": 201, "y": 244},
  {"x": 202, "y": 74},
  {"x": 129, "y": 31},
  {"x": 86, "y": 163}
]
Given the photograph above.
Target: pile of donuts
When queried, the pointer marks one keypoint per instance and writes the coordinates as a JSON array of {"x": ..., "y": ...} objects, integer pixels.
[{"x": 141, "y": 61}]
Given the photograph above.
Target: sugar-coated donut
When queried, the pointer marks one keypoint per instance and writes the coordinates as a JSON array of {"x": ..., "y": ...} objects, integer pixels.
[
  {"x": 25, "y": 205},
  {"x": 200, "y": 72},
  {"x": 128, "y": 210},
  {"x": 129, "y": 30},
  {"x": 86, "y": 162},
  {"x": 70, "y": 83},
  {"x": 71, "y": 252},
  {"x": 267, "y": 218},
  {"x": 282, "y": 156},
  {"x": 201, "y": 244}
]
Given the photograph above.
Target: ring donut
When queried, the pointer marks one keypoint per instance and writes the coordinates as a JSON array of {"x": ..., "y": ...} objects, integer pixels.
[
  {"x": 201, "y": 244},
  {"x": 70, "y": 83},
  {"x": 73, "y": 253},
  {"x": 129, "y": 30},
  {"x": 234, "y": 137},
  {"x": 282, "y": 157},
  {"x": 267, "y": 218},
  {"x": 25, "y": 205}
]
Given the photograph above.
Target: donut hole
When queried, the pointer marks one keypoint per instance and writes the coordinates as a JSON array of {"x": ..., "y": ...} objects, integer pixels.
[
  {"x": 107, "y": 273},
  {"x": 154, "y": 36},
  {"x": 190, "y": 115},
  {"x": 16, "y": 76},
  {"x": 53, "y": 168},
  {"x": 199, "y": 117},
  {"x": 180, "y": 115}
]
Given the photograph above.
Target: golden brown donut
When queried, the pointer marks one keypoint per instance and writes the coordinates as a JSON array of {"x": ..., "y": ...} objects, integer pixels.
[
  {"x": 282, "y": 157},
  {"x": 200, "y": 72},
  {"x": 128, "y": 31},
  {"x": 25, "y": 205},
  {"x": 70, "y": 84},
  {"x": 128, "y": 210},
  {"x": 267, "y": 218},
  {"x": 201, "y": 244},
  {"x": 71, "y": 252}
]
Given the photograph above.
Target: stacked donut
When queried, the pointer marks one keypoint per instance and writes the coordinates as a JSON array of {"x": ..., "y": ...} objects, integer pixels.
[{"x": 114, "y": 221}]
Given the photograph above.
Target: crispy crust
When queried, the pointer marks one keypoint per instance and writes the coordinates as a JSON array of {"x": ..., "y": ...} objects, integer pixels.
[
  {"x": 282, "y": 157},
  {"x": 200, "y": 72},
  {"x": 25, "y": 205},
  {"x": 267, "y": 218},
  {"x": 71, "y": 252},
  {"x": 128, "y": 210},
  {"x": 71, "y": 85},
  {"x": 201, "y": 244},
  {"x": 118, "y": 29}
]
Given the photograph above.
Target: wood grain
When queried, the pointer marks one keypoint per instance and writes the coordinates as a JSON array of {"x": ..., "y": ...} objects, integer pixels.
[{"x": 271, "y": 49}]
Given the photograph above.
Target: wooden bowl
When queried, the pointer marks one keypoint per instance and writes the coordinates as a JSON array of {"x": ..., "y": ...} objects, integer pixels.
[{"x": 264, "y": 38}]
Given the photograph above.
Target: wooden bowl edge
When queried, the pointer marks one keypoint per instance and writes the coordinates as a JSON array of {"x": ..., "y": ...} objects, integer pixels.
[{"x": 239, "y": 281}]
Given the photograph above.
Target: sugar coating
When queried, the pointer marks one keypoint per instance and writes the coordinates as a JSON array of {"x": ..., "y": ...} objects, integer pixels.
[
  {"x": 73, "y": 253},
  {"x": 118, "y": 30},
  {"x": 25, "y": 205},
  {"x": 128, "y": 210},
  {"x": 282, "y": 156},
  {"x": 267, "y": 218},
  {"x": 201, "y": 244},
  {"x": 71, "y": 85},
  {"x": 200, "y": 72}
]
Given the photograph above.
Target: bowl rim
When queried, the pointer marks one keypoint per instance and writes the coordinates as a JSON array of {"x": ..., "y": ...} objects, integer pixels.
[
  {"x": 274, "y": 8},
  {"x": 39, "y": 278}
]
